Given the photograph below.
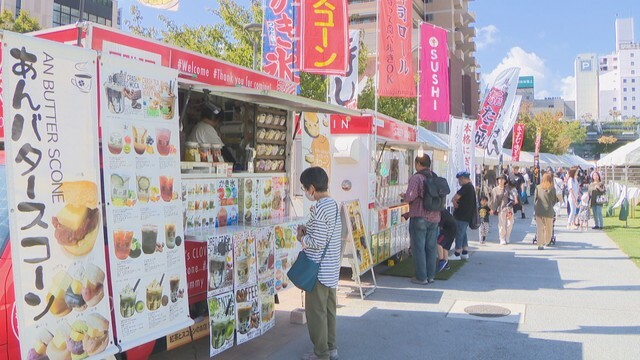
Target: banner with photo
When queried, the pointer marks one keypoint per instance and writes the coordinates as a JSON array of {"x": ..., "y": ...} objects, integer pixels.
[
  {"x": 222, "y": 320},
  {"x": 144, "y": 213},
  {"x": 279, "y": 56},
  {"x": 171, "y": 5},
  {"x": 495, "y": 102},
  {"x": 395, "y": 63},
  {"x": 324, "y": 37},
  {"x": 518, "y": 138},
  {"x": 343, "y": 90},
  {"x": 54, "y": 201},
  {"x": 315, "y": 145},
  {"x": 434, "y": 74}
]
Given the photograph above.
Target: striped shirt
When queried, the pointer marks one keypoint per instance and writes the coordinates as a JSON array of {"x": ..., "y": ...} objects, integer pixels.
[
  {"x": 413, "y": 196},
  {"x": 324, "y": 225}
]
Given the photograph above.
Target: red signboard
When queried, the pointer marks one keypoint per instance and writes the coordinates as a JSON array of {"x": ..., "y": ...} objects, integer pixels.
[
  {"x": 343, "y": 124},
  {"x": 518, "y": 138},
  {"x": 196, "y": 254},
  {"x": 395, "y": 63},
  {"x": 324, "y": 37},
  {"x": 395, "y": 130}
]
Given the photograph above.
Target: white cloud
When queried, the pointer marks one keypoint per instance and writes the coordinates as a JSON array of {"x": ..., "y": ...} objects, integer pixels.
[
  {"x": 486, "y": 35},
  {"x": 546, "y": 83},
  {"x": 568, "y": 86}
]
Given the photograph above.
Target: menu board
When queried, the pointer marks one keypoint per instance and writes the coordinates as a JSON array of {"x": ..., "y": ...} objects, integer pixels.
[
  {"x": 209, "y": 203},
  {"x": 267, "y": 304},
  {"x": 144, "y": 213},
  {"x": 287, "y": 249},
  {"x": 244, "y": 259},
  {"x": 220, "y": 264},
  {"x": 222, "y": 313},
  {"x": 357, "y": 234},
  {"x": 55, "y": 220},
  {"x": 247, "y": 313}
]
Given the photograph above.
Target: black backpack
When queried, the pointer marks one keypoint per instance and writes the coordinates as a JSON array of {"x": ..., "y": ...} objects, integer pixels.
[{"x": 436, "y": 190}]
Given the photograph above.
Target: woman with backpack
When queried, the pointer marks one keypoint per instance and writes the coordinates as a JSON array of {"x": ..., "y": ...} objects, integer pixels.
[{"x": 503, "y": 198}]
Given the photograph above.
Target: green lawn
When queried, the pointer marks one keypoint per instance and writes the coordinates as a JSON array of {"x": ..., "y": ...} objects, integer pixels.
[{"x": 627, "y": 238}]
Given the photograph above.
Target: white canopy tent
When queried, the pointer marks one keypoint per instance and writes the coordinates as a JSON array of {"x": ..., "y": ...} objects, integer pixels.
[
  {"x": 628, "y": 154},
  {"x": 431, "y": 139}
]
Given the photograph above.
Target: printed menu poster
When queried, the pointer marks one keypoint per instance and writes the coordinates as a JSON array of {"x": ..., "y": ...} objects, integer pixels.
[
  {"x": 247, "y": 314},
  {"x": 267, "y": 305},
  {"x": 220, "y": 264},
  {"x": 265, "y": 252},
  {"x": 244, "y": 254},
  {"x": 209, "y": 203},
  {"x": 222, "y": 317},
  {"x": 357, "y": 233},
  {"x": 287, "y": 249},
  {"x": 54, "y": 202},
  {"x": 316, "y": 149},
  {"x": 144, "y": 213}
]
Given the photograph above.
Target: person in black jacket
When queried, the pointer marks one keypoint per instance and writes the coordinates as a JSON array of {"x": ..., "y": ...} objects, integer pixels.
[{"x": 446, "y": 236}]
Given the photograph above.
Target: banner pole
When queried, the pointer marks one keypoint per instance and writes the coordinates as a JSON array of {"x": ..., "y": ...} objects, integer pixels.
[
  {"x": 377, "y": 71},
  {"x": 419, "y": 75}
]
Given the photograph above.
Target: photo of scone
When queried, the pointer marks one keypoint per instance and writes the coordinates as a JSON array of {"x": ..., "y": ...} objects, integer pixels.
[
  {"x": 311, "y": 124},
  {"x": 321, "y": 153}
]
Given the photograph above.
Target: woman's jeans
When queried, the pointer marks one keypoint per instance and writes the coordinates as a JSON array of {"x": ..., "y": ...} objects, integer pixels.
[
  {"x": 424, "y": 247},
  {"x": 597, "y": 215}
]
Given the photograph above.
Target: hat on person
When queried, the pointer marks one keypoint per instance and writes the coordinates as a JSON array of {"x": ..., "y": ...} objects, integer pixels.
[{"x": 464, "y": 174}]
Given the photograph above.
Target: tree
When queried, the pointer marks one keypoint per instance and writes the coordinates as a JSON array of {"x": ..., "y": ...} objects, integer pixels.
[
  {"x": 557, "y": 135},
  {"x": 606, "y": 141},
  {"x": 24, "y": 23}
]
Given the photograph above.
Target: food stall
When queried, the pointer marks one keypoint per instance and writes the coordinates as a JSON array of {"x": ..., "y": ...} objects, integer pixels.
[
  {"x": 211, "y": 225},
  {"x": 369, "y": 159}
]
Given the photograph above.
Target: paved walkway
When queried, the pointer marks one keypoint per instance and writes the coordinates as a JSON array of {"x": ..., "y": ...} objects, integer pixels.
[{"x": 577, "y": 300}]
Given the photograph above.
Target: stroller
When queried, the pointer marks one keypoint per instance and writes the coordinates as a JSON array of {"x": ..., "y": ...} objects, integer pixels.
[{"x": 553, "y": 234}]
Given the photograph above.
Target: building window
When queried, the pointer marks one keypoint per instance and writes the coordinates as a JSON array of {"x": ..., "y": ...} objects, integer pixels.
[
  {"x": 624, "y": 90},
  {"x": 633, "y": 72},
  {"x": 624, "y": 98},
  {"x": 615, "y": 99},
  {"x": 633, "y": 63},
  {"x": 633, "y": 80},
  {"x": 633, "y": 89},
  {"x": 624, "y": 81},
  {"x": 625, "y": 107},
  {"x": 633, "y": 98},
  {"x": 633, "y": 107},
  {"x": 633, "y": 54}
]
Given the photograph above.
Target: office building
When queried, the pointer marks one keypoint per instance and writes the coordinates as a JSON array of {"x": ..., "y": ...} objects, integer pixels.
[
  {"x": 51, "y": 13},
  {"x": 526, "y": 89},
  {"x": 452, "y": 15}
]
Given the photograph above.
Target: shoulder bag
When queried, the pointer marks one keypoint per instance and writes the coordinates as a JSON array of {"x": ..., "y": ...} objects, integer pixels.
[{"x": 304, "y": 271}]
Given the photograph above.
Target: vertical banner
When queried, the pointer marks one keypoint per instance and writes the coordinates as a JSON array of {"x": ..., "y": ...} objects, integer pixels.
[
  {"x": 278, "y": 45},
  {"x": 144, "y": 213},
  {"x": 536, "y": 157},
  {"x": 518, "y": 138},
  {"x": 434, "y": 74},
  {"x": 395, "y": 63},
  {"x": 324, "y": 37},
  {"x": 509, "y": 121},
  {"x": 54, "y": 201},
  {"x": 462, "y": 155},
  {"x": 498, "y": 98},
  {"x": 343, "y": 90}
]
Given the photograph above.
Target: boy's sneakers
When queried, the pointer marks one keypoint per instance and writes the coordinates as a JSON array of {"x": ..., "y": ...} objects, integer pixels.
[
  {"x": 333, "y": 355},
  {"x": 442, "y": 264},
  {"x": 464, "y": 255},
  {"x": 420, "y": 282},
  {"x": 455, "y": 257}
]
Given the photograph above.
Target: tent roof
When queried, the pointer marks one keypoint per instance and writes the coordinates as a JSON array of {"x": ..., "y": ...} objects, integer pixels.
[
  {"x": 628, "y": 154},
  {"x": 431, "y": 139}
]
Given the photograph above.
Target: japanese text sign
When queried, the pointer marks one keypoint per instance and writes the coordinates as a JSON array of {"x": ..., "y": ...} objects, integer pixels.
[
  {"x": 278, "y": 46},
  {"x": 518, "y": 138},
  {"x": 325, "y": 37},
  {"x": 54, "y": 199},
  {"x": 395, "y": 63},
  {"x": 343, "y": 90},
  {"x": 434, "y": 74}
]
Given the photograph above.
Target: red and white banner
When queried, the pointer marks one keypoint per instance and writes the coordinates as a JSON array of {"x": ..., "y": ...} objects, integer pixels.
[
  {"x": 536, "y": 157},
  {"x": 343, "y": 90},
  {"x": 462, "y": 156},
  {"x": 516, "y": 144},
  {"x": 434, "y": 74},
  {"x": 278, "y": 45},
  {"x": 496, "y": 100},
  {"x": 395, "y": 63},
  {"x": 324, "y": 37}
]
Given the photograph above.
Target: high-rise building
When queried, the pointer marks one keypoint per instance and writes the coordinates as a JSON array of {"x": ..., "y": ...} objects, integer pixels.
[
  {"x": 52, "y": 13},
  {"x": 526, "y": 89},
  {"x": 452, "y": 15},
  {"x": 586, "y": 74}
]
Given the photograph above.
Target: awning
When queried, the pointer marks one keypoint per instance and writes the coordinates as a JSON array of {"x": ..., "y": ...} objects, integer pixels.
[
  {"x": 276, "y": 99},
  {"x": 432, "y": 140}
]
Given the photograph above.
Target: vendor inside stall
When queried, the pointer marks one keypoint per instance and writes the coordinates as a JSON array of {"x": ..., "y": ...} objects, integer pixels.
[{"x": 206, "y": 130}]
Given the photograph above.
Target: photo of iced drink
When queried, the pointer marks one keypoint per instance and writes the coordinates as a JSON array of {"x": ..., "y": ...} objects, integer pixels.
[
  {"x": 166, "y": 188},
  {"x": 217, "y": 270},
  {"x": 166, "y": 106},
  {"x": 149, "y": 237},
  {"x": 170, "y": 235},
  {"x": 119, "y": 189},
  {"x": 244, "y": 317},
  {"x": 154, "y": 295},
  {"x": 174, "y": 285},
  {"x": 139, "y": 140},
  {"x": 163, "y": 137},
  {"x": 243, "y": 270},
  {"x": 218, "y": 334},
  {"x": 143, "y": 184},
  {"x": 115, "y": 143},
  {"x": 127, "y": 302},
  {"x": 122, "y": 243}
]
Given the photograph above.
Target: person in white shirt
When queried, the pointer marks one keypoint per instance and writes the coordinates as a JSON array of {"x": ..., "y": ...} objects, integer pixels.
[{"x": 206, "y": 130}]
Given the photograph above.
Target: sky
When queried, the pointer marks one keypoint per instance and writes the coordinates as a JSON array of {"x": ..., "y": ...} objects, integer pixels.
[{"x": 542, "y": 37}]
